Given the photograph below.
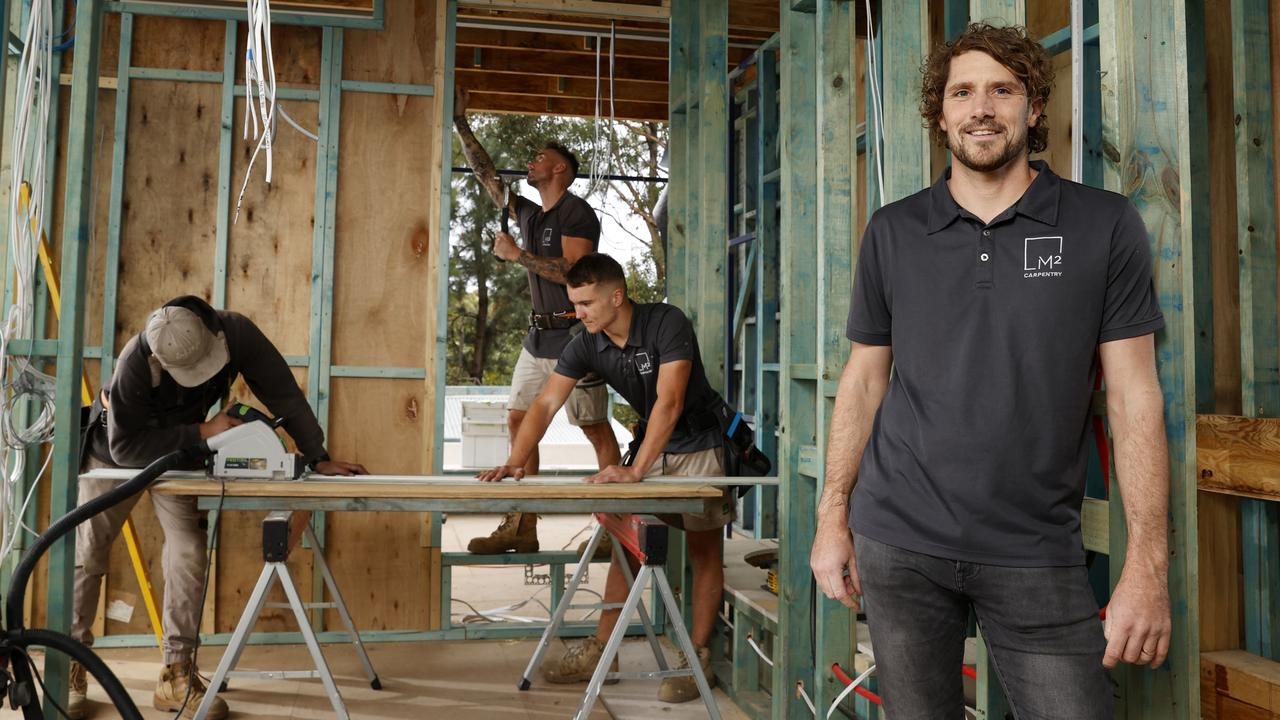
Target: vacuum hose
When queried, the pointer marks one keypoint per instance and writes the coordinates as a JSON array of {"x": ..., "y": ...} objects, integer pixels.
[{"x": 16, "y": 633}]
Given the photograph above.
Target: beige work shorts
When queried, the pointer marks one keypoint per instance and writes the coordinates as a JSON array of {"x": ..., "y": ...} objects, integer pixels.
[
  {"x": 716, "y": 512},
  {"x": 588, "y": 404}
]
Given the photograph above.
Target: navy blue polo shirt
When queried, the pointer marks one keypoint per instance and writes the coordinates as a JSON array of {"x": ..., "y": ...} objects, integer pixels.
[
  {"x": 659, "y": 334},
  {"x": 979, "y": 448},
  {"x": 541, "y": 233}
]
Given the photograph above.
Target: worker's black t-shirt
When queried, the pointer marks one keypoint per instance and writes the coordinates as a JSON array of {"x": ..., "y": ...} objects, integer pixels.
[
  {"x": 659, "y": 334},
  {"x": 980, "y": 446},
  {"x": 540, "y": 233}
]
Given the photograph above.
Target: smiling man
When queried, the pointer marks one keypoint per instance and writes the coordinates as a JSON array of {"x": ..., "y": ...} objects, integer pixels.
[
  {"x": 649, "y": 354},
  {"x": 954, "y": 485}
]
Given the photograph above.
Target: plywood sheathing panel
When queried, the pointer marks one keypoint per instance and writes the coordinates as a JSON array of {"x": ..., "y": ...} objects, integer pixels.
[
  {"x": 179, "y": 43},
  {"x": 378, "y": 558},
  {"x": 269, "y": 258},
  {"x": 383, "y": 247},
  {"x": 171, "y": 187},
  {"x": 403, "y": 52}
]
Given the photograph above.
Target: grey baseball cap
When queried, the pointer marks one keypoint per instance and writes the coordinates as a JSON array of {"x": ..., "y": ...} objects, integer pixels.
[{"x": 186, "y": 348}]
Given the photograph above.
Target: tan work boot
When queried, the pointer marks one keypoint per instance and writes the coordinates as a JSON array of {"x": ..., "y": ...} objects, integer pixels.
[
  {"x": 579, "y": 664},
  {"x": 77, "y": 699},
  {"x": 685, "y": 688},
  {"x": 171, "y": 692},
  {"x": 604, "y": 549},
  {"x": 518, "y": 532}
]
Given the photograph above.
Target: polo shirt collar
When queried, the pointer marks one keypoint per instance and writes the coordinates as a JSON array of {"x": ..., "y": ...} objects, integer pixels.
[
  {"x": 1038, "y": 202},
  {"x": 633, "y": 335}
]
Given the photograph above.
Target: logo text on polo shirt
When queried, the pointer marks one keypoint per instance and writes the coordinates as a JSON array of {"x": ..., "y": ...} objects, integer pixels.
[
  {"x": 546, "y": 237},
  {"x": 643, "y": 364},
  {"x": 1042, "y": 257}
]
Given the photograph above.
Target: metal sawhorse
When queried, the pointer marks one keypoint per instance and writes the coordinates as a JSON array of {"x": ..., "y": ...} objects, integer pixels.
[
  {"x": 646, "y": 537},
  {"x": 281, "y": 531}
]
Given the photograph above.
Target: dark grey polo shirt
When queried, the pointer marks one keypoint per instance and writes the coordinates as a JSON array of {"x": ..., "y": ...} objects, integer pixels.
[
  {"x": 541, "y": 231},
  {"x": 659, "y": 334},
  {"x": 978, "y": 451}
]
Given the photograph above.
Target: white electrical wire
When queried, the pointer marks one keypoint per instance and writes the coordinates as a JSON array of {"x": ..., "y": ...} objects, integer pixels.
[
  {"x": 751, "y": 641},
  {"x": 805, "y": 697},
  {"x": 259, "y": 74},
  {"x": 596, "y": 176},
  {"x": 877, "y": 112},
  {"x": 849, "y": 689},
  {"x": 23, "y": 383}
]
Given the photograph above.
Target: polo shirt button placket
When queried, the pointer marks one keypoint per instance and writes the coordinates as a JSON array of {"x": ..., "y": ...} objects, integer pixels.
[{"x": 985, "y": 250}]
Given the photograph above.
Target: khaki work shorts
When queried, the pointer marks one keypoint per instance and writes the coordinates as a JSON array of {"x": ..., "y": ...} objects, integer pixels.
[
  {"x": 716, "y": 512},
  {"x": 588, "y": 404}
]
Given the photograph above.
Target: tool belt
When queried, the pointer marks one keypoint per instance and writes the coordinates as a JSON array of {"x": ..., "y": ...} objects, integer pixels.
[{"x": 553, "y": 321}]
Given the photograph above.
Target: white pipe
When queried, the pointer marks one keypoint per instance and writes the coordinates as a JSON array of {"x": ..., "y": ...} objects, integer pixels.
[{"x": 1077, "y": 90}]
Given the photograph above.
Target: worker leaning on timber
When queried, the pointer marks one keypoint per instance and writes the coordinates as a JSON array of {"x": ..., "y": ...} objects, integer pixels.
[
  {"x": 165, "y": 381},
  {"x": 996, "y": 296},
  {"x": 649, "y": 354},
  {"x": 557, "y": 231}
]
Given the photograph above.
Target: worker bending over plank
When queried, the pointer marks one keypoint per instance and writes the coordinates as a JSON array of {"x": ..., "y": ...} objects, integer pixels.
[
  {"x": 165, "y": 381},
  {"x": 996, "y": 296},
  {"x": 556, "y": 232},
  {"x": 649, "y": 354}
]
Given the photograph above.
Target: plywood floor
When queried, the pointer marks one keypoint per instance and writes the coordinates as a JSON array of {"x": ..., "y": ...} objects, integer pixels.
[{"x": 458, "y": 680}]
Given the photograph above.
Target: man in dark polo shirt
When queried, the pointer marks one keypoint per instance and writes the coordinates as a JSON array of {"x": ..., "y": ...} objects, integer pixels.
[
  {"x": 649, "y": 354},
  {"x": 996, "y": 296},
  {"x": 556, "y": 232}
]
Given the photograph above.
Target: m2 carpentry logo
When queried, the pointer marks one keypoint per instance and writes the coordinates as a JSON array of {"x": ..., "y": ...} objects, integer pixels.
[{"x": 1042, "y": 257}]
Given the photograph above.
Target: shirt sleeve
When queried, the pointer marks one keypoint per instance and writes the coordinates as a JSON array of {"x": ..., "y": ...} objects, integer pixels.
[
  {"x": 574, "y": 361},
  {"x": 1130, "y": 308},
  {"x": 267, "y": 374},
  {"x": 133, "y": 442},
  {"x": 674, "y": 336},
  {"x": 870, "y": 321},
  {"x": 581, "y": 221}
]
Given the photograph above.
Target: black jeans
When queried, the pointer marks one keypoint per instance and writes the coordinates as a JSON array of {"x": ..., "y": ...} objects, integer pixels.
[{"x": 1040, "y": 623}]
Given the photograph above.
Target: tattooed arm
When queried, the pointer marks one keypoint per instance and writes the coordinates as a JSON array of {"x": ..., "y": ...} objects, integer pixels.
[
  {"x": 551, "y": 268},
  {"x": 481, "y": 164}
]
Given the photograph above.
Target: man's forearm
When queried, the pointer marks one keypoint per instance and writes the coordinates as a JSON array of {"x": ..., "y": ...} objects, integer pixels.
[
  {"x": 1142, "y": 473},
  {"x": 551, "y": 268},
  {"x": 481, "y": 164},
  {"x": 851, "y": 420},
  {"x": 532, "y": 429}
]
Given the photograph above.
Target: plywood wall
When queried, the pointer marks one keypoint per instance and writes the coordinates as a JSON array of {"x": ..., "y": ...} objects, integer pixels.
[{"x": 384, "y": 279}]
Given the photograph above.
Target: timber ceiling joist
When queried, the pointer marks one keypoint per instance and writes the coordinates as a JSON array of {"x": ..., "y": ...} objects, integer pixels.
[{"x": 539, "y": 56}]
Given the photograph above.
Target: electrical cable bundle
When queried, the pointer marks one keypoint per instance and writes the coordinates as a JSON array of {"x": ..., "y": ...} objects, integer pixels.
[
  {"x": 22, "y": 382},
  {"x": 597, "y": 175}
]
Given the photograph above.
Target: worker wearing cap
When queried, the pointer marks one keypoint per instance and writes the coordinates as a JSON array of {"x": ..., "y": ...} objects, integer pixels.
[{"x": 165, "y": 381}]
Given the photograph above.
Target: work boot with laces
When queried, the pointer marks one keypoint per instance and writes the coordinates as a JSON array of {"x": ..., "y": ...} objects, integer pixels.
[
  {"x": 604, "y": 549},
  {"x": 517, "y": 533},
  {"x": 579, "y": 663},
  {"x": 685, "y": 688},
  {"x": 77, "y": 699},
  {"x": 171, "y": 692}
]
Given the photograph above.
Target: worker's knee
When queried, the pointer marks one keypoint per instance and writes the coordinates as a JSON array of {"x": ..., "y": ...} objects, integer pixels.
[{"x": 599, "y": 434}]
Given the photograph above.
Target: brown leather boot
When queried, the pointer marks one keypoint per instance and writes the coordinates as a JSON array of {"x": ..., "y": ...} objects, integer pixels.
[
  {"x": 604, "y": 549},
  {"x": 518, "y": 532},
  {"x": 684, "y": 689},
  {"x": 77, "y": 699},
  {"x": 172, "y": 692},
  {"x": 579, "y": 663}
]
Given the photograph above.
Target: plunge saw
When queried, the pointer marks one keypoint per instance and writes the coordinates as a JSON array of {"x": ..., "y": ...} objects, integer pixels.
[{"x": 252, "y": 449}]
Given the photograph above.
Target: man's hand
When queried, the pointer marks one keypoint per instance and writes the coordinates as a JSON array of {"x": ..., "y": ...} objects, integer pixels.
[
  {"x": 502, "y": 471},
  {"x": 220, "y": 423},
  {"x": 614, "y": 474},
  {"x": 834, "y": 564},
  {"x": 1138, "y": 624},
  {"x": 460, "y": 99},
  {"x": 337, "y": 467},
  {"x": 505, "y": 247}
]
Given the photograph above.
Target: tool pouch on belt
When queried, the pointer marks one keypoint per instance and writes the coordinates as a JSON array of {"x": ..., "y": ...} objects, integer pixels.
[
  {"x": 741, "y": 456},
  {"x": 92, "y": 418}
]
